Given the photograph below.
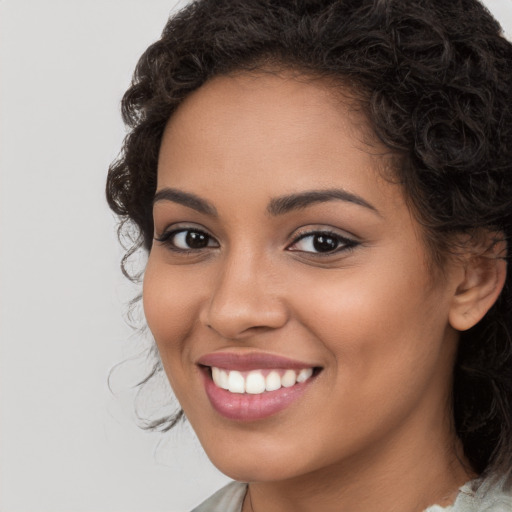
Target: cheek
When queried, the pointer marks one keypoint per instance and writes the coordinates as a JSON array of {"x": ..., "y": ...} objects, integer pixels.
[
  {"x": 380, "y": 326},
  {"x": 170, "y": 302},
  {"x": 171, "y": 298},
  {"x": 387, "y": 350}
]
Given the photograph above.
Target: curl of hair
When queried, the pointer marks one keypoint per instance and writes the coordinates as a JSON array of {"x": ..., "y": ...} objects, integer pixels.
[{"x": 434, "y": 79}]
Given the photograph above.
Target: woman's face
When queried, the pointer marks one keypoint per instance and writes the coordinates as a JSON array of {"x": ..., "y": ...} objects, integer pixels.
[{"x": 292, "y": 271}]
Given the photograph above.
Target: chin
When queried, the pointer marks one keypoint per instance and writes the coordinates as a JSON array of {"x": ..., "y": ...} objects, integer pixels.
[
  {"x": 246, "y": 462},
  {"x": 253, "y": 471}
]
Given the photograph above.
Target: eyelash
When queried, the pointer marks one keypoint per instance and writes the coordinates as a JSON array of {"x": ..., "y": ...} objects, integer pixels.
[
  {"x": 167, "y": 238},
  {"x": 343, "y": 243}
]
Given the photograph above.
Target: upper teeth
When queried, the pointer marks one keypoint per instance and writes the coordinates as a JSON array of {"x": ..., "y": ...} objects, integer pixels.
[{"x": 255, "y": 382}]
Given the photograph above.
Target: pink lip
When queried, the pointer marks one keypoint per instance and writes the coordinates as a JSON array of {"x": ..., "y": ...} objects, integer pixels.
[
  {"x": 247, "y": 407},
  {"x": 251, "y": 361}
]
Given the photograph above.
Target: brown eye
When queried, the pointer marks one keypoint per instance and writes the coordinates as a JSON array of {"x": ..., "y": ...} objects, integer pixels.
[
  {"x": 187, "y": 240},
  {"x": 322, "y": 242},
  {"x": 325, "y": 243},
  {"x": 196, "y": 239}
]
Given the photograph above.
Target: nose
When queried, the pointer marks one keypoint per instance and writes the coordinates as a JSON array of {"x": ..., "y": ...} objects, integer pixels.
[{"x": 245, "y": 298}]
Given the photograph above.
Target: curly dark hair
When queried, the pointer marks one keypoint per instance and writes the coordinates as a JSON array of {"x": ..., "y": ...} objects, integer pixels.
[{"x": 434, "y": 79}]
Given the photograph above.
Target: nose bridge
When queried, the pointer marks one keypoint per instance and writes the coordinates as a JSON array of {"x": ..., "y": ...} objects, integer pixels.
[{"x": 245, "y": 295}]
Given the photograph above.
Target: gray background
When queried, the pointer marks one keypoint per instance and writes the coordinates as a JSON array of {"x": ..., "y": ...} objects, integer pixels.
[{"x": 66, "y": 443}]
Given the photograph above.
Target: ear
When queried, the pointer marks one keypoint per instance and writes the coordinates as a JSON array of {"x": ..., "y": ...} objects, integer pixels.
[{"x": 483, "y": 279}]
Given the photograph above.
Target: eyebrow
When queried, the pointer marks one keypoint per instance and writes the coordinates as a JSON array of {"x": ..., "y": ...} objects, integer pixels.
[
  {"x": 277, "y": 206},
  {"x": 186, "y": 199},
  {"x": 288, "y": 203}
]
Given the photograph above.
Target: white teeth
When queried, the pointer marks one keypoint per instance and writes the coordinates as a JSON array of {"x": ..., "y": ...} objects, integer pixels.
[
  {"x": 255, "y": 383},
  {"x": 220, "y": 377},
  {"x": 288, "y": 379},
  {"x": 273, "y": 381},
  {"x": 223, "y": 379},
  {"x": 236, "y": 382},
  {"x": 304, "y": 374}
]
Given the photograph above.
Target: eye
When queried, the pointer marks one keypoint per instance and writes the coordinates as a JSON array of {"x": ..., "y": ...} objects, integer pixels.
[
  {"x": 187, "y": 240},
  {"x": 322, "y": 242}
]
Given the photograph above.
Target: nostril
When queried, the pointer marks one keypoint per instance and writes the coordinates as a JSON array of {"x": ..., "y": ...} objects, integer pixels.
[{"x": 233, "y": 316}]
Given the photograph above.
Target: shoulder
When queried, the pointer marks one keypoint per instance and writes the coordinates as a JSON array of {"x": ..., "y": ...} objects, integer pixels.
[
  {"x": 481, "y": 495},
  {"x": 227, "y": 499}
]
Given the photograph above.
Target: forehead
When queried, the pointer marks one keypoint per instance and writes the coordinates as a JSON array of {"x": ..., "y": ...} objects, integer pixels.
[{"x": 273, "y": 134}]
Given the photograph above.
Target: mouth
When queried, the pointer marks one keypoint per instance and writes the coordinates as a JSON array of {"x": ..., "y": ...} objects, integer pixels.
[
  {"x": 258, "y": 381},
  {"x": 248, "y": 387}
]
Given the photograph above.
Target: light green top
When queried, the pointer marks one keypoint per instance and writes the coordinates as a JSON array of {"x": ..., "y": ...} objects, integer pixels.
[{"x": 474, "y": 496}]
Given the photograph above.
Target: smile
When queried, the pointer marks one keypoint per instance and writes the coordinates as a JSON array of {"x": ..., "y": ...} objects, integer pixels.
[
  {"x": 259, "y": 381},
  {"x": 254, "y": 386}
]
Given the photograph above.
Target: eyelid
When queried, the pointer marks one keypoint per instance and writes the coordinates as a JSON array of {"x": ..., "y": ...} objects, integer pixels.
[
  {"x": 346, "y": 242},
  {"x": 312, "y": 229},
  {"x": 174, "y": 229}
]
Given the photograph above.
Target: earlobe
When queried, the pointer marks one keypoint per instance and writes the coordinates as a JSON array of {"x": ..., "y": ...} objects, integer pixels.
[{"x": 484, "y": 278}]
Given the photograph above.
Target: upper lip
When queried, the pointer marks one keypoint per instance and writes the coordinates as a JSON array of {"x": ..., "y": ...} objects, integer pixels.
[{"x": 251, "y": 361}]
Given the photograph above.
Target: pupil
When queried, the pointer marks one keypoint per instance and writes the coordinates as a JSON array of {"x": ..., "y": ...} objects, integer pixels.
[
  {"x": 323, "y": 243},
  {"x": 196, "y": 240}
]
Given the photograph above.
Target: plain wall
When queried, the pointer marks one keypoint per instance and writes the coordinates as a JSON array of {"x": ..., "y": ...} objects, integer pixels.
[{"x": 66, "y": 443}]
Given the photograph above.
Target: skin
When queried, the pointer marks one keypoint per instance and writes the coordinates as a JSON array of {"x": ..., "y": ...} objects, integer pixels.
[{"x": 372, "y": 316}]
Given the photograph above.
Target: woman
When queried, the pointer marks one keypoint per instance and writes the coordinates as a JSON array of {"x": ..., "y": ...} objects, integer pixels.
[{"x": 324, "y": 190}]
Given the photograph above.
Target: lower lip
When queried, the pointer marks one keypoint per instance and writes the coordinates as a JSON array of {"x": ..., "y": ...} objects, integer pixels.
[{"x": 247, "y": 407}]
